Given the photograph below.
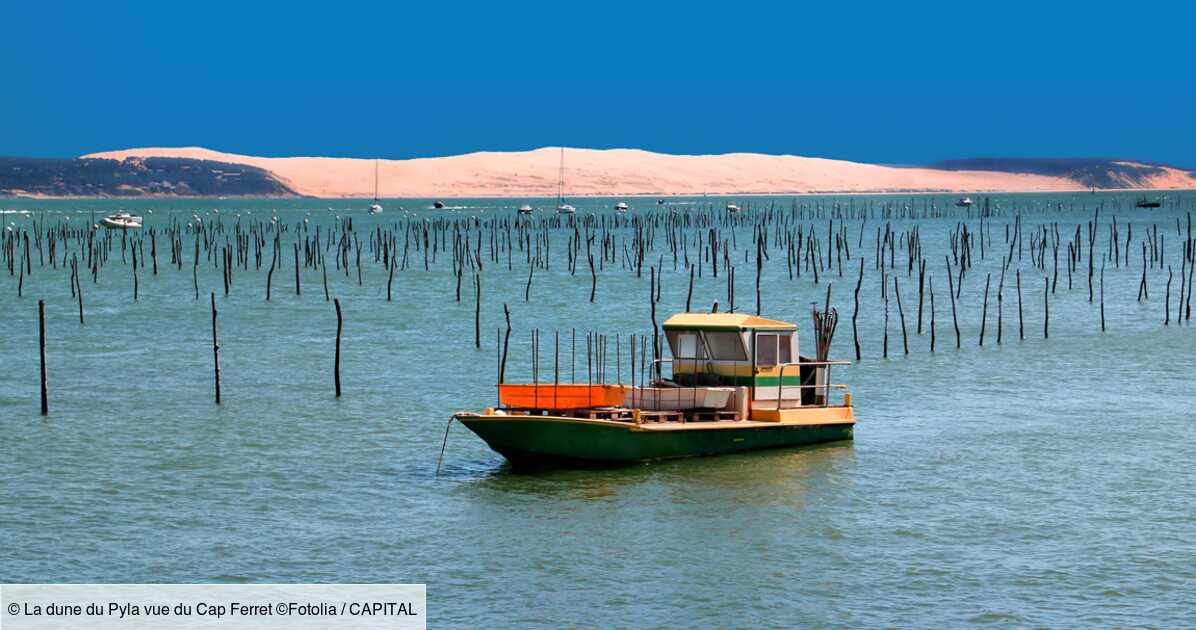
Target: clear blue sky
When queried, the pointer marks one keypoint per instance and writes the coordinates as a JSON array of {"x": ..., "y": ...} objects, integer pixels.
[{"x": 888, "y": 82}]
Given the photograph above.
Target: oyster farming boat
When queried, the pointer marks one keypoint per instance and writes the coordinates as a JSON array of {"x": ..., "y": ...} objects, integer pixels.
[{"x": 734, "y": 386}]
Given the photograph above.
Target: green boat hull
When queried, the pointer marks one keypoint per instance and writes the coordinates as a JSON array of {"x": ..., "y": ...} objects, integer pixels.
[{"x": 545, "y": 442}]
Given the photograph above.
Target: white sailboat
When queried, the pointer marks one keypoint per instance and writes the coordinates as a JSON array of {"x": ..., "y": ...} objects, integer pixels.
[
  {"x": 375, "y": 208},
  {"x": 621, "y": 207},
  {"x": 561, "y": 206}
]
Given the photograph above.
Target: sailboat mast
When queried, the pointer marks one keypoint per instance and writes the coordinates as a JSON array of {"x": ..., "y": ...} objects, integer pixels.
[{"x": 560, "y": 181}]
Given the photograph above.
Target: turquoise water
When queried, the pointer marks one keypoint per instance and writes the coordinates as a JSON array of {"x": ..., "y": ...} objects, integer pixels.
[{"x": 1042, "y": 482}]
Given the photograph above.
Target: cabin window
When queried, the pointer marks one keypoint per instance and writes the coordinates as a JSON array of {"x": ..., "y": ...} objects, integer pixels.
[
  {"x": 686, "y": 345},
  {"x": 726, "y": 346},
  {"x": 773, "y": 349},
  {"x": 689, "y": 346},
  {"x": 766, "y": 350}
]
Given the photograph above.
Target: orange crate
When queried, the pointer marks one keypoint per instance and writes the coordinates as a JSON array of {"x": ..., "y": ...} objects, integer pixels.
[{"x": 561, "y": 396}]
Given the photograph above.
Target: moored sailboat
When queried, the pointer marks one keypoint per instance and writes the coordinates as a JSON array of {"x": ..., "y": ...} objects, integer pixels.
[
  {"x": 561, "y": 206},
  {"x": 375, "y": 208}
]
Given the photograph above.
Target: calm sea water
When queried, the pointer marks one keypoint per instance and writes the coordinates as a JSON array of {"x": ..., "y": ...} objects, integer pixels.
[{"x": 1038, "y": 482}]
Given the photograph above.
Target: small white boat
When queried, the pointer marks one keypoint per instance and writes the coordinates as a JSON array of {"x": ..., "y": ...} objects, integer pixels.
[
  {"x": 121, "y": 221},
  {"x": 732, "y": 208},
  {"x": 965, "y": 202},
  {"x": 677, "y": 398},
  {"x": 375, "y": 208},
  {"x": 525, "y": 209},
  {"x": 438, "y": 205},
  {"x": 566, "y": 209},
  {"x": 620, "y": 207}
]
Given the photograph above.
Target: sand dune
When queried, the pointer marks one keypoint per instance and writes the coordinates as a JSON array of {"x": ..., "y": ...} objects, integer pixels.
[{"x": 621, "y": 172}]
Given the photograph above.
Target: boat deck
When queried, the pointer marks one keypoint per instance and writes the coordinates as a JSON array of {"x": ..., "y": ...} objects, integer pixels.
[{"x": 681, "y": 420}]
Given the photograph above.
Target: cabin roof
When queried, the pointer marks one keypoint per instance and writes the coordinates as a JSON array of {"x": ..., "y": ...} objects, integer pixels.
[{"x": 724, "y": 321}]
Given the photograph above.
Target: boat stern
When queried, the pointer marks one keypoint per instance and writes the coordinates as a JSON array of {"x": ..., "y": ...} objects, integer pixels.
[{"x": 835, "y": 414}]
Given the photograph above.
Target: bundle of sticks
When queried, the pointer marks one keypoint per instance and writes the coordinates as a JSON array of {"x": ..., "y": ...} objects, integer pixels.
[{"x": 825, "y": 322}]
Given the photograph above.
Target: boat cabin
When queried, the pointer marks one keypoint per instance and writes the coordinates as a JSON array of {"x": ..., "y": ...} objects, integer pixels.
[{"x": 746, "y": 351}]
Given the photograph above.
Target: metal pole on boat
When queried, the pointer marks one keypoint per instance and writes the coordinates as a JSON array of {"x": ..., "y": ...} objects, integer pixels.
[
  {"x": 497, "y": 365},
  {"x": 556, "y": 365},
  {"x": 589, "y": 368},
  {"x": 618, "y": 361},
  {"x": 632, "y": 358},
  {"x": 536, "y": 367}
]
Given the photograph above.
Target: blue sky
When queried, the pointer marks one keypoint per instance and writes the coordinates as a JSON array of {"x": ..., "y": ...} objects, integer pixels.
[{"x": 891, "y": 82}]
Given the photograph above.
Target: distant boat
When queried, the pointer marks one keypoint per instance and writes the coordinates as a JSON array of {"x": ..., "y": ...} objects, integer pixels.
[
  {"x": 438, "y": 204},
  {"x": 561, "y": 206},
  {"x": 1147, "y": 203},
  {"x": 375, "y": 208},
  {"x": 660, "y": 202},
  {"x": 620, "y": 207},
  {"x": 965, "y": 202},
  {"x": 732, "y": 208},
  {"x": 121, "y": 221},
  {"x": 525, "y": 209}
]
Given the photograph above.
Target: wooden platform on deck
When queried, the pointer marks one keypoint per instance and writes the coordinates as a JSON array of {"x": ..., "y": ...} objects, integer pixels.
[{"x": 799, "y": 416}]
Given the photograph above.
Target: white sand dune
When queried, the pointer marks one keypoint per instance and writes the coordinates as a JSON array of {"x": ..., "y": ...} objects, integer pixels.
[{"x": 621, "y": 172}]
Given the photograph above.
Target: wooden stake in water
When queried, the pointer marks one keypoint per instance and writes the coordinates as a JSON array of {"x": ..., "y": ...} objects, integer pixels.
[
  {"x": 1046, "y": 308},
  {"x": 951, "y": 294},
  {"x": 1021, "y": 328},
  {"x": 506, "y": 344},
  {"x": 78, "y": 290},
  {"x": 1167, "y": 306},
  {"x": 215, "y": 348},
  {"x": 932, "y": 338},
  {"x": 855, "y": 314},
  {"x": 1102, "y": 296},
  {"x": 689, "y": 296},
  {"x": 297, "y": 289},
  {"x": 41, "y": 331},
  {"x": 984, "y": 314},
  {"x": 339, "y": 327}
]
